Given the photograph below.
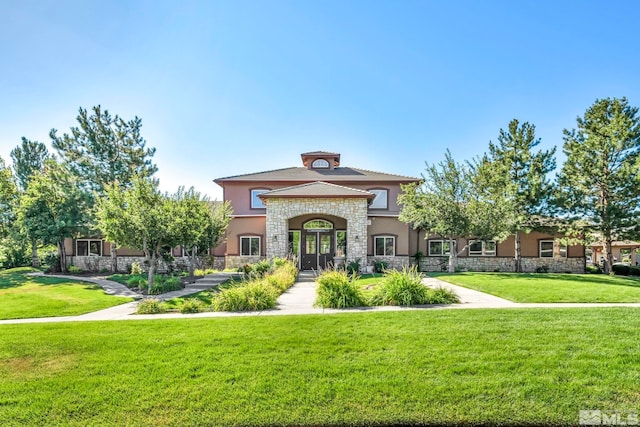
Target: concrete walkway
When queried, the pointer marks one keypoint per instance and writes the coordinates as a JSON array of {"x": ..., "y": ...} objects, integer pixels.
[{"x": 299, "y": 299}]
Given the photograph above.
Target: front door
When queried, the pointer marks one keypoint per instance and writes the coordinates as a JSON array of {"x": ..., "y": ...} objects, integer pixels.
[{"x": 317, "y": 249}]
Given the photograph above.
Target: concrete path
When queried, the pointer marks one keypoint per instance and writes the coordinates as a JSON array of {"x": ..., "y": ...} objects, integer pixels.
[
  {"x": 299, "y": 299},
  {"x": 110, "y": 287}
]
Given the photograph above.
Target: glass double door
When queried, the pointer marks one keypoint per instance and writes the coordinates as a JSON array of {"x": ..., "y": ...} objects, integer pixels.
[{"x": 317, "y": 249}]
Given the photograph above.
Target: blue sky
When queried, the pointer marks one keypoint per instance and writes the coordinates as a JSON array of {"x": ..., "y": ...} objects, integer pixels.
[{"x": 233, "y": 87}]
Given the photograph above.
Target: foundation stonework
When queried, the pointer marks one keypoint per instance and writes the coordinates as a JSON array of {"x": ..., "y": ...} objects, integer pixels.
[
  {"x": 506, "y": 264},
  {"x": 354, "y": 210},
  {"x": 103, "y": 263}
]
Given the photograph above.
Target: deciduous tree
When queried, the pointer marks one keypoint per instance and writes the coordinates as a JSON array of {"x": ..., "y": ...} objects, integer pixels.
[{"x": 600, "y": 181}]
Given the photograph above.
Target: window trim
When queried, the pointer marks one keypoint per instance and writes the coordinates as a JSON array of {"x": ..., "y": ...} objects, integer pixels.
[
  {"x": 89, "y": 247},
  {"x": 304, "y": 226},
  {"x": 250, "y": 237},
  {"x": 442, "y": 242},
  {"x": 483, "y": 251},
  {"x": 383, "y": 236},
  {"x": 386, "y": 199},
  {"x": 251, "y": 197}
]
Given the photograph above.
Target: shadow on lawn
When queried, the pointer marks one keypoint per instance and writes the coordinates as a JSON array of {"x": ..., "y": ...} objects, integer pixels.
[{"x": 17, "y": 279}]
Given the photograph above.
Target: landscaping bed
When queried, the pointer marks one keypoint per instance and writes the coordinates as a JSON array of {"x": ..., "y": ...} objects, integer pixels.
[
  {"x": 497, "y": 367},
  {"x": 25, "y": 296},
  {"x": 550, "y": 288}
]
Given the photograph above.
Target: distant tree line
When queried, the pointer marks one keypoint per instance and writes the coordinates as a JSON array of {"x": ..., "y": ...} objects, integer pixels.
[
  {"x": 509, "y": 190},
  {"x": 99, "y": 182}
]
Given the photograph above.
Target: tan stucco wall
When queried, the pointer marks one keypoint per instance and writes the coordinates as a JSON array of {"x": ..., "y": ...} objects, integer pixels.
[
  {"x": 245, "y": 226},
  {"x": 389, "y": 227}
]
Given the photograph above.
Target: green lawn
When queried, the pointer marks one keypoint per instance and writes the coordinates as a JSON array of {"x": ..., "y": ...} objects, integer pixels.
[
  {"x": 25, "y": 296},
  {"x": 541, "y": 288},
  {"x": 369, "y": 282},
  {"x": 525, "y": 366}
]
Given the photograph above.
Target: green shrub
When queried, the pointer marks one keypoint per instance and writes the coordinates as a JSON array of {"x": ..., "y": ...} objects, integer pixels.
[
  {"x": 150, "y": 306},
  {"x": 137, "y": 281},
  {"x": 135, "y": 268},
  {"x": 192, "y": 305},
  {"x": 353, "y": 267},
  {"x": 203, "y": 272},
  {"x": 542, "y": 269},
  {"x": 401, "y": 288},
  {"x": 52, "y": 261},
  {"x": 104, "y": 270},
  {"x": 74, "y": 270},
  {"x": 163, "y": 285},
  {"x": 253, "y": 296},
  {"x": 594, "y": 269},
  {"x": 379, "y": 266},
  {"x": 634, "y": 270},
  {"x": 336, "y": 289},
  {"x": 620, "y": 269}
]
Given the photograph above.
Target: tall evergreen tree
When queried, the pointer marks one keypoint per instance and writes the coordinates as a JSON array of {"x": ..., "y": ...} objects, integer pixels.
[
  {"x": 28, "y": 158},
  {"x": 104, "y": 150},
  {"x": 8, "y": 194},
  {"x": 515, "y": 171},
  {"x": 600, "y": 181}
]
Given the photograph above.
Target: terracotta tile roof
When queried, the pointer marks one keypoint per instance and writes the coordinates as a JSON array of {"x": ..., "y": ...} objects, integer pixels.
[
  {"x": 297, "y": 174},
  {"x": 317, "y": 189}
]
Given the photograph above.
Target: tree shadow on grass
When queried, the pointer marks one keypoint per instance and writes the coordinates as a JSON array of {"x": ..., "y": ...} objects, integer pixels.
[{"x": 599, "y": 279}]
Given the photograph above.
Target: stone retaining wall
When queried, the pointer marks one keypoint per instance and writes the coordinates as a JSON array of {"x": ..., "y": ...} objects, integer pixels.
[
  {"x": 506, "y": 264},
  {"x": 239, "y": 261},
  {"x": 103, "y": 263},
  {"x": 393, "y": 262}
]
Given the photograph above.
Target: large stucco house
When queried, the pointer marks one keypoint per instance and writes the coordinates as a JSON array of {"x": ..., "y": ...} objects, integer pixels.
[{"x": 326, "y": 214}]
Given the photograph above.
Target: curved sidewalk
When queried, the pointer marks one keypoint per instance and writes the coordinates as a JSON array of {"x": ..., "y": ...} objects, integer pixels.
[{"x": 299, "y": 299}]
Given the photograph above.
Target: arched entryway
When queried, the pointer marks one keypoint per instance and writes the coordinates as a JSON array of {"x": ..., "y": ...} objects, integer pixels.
[{"x": 317, "y": 244}]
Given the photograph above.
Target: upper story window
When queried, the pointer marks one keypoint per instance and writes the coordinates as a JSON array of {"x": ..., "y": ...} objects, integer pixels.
[
  {"x": 381, "y": 200},
  {"x": 320, "y": 164},
  {"x": 256, "y": 203}
]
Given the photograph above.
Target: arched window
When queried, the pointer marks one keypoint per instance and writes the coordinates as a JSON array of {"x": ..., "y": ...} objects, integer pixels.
[
  {"x": 320, "y": 164},
  {"x": 318, "y": 224}
]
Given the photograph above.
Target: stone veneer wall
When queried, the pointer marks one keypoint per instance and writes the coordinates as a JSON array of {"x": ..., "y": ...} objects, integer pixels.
[
  {"x": 393, "y": 262},
  {"x": 505, "y": 264},
  {"x": 354, "y": 210},
  {"x": 239, "y": 261},
  {"x": 97, "y": 263}
]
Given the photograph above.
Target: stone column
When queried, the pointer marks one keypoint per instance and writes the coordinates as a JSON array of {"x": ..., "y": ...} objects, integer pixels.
[
  {"x": 277, "y": 228},
  {"x": 356, "y": 215}
]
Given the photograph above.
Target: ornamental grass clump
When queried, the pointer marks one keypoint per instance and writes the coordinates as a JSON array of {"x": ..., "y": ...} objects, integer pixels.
[
  {"x": 405, "y": 287},
  {"x": 150, "y": 306},
  {"x": 336, "y": 289},
  {"x": 192, "y": 305},
  {"x": 252, "y": 296}
]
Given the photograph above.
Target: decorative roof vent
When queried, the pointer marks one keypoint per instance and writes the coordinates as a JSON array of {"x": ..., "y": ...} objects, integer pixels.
[{"x": 320, "y": 160}]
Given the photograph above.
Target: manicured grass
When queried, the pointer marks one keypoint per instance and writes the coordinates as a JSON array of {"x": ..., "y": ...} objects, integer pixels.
[
  {"x": 369, "y": 282},
  {"x": 550, "y": 287},
  {"x": 524, "y": 366},
  {"x": 23, "y": 296}
]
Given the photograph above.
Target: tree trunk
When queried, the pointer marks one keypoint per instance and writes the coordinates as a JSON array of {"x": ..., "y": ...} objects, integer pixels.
[
  {"x": 114, "y": 258},
  {"x": 192, "y": 261},
  {"x": 35, "y": 261},
  {"x": 152, "y": 270},
  {"x": 518, "y": 253},
  {"x": 62, "y": 254},
  {"x": 608, "y": 255},
  {"x": 453, "y": 256}
]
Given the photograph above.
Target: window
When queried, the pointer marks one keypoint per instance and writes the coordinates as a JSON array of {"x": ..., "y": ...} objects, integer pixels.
[
  {"x": 318, "y": 224},
  {"x": 384, "y": 246},
  {"x": 438, "y": 248},
  {"x": 482, "y": 248},
  {"x": 88, "y": 247},
  {"x": 547, "y": 246},
  {"x": 294, "y": 242},
  {"x": 256, "y": 203},
  {"x": 320, "y": 164},
  {"x": 250, "y": 246},
  {"x": 380, "y": 202}
]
